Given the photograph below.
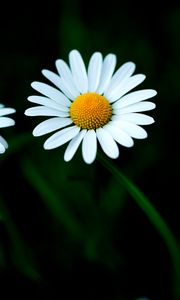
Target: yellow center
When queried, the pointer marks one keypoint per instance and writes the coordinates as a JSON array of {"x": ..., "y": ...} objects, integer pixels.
[{"x": 90, "y": 111}]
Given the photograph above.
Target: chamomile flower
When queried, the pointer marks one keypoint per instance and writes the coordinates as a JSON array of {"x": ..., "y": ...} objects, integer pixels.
[
  {"x": 5, "y": 122},
  {"x": 91, "y": 106}
]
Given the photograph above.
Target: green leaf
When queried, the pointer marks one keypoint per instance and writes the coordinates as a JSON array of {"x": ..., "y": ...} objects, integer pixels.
[{"x": 51, "y": 199}]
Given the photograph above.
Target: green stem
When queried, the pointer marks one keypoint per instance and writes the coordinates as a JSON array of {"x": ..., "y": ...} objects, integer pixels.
[{"x": 153, "y": 215}]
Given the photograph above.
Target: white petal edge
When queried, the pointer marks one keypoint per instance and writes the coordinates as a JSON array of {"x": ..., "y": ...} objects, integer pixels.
[
  {"x": 89, "y": 146},
  {"x": 130, "y": 84},
  {"x": 51, "y": 92},
  {"x": 78, "y": 71},
  {"x": 3, "y": 142},
  {"x": 134, "y": 97},
  {"x": 138, "y": 107},
  {"x": 53, "y": 77},
  {"x": 6, "y": 122},
  {"x": 2, "y": 149},
  {"x": 61, "y": 137},
  {"x": 73, "y": 145},
  {"x": 131, "y": 129},
  {"x": 139, "y": 119},
  {"x": 59, "y": 82},
  {"x": 50, "y": 125},
  {"x": 64, "y": 70},
  {"x": 47, "y": 103},
  {"x": 94, "y": 71},
  {"x": 119, "y": 135},
  {"x": 107, "y": 143},
  {"x": 45, "y": 111},
  {"x": 108, "y": 67},
  {"x": 120, "y": 77},
  {"x": 6, "y": 111},
  {"x": 66, "y": 75}
]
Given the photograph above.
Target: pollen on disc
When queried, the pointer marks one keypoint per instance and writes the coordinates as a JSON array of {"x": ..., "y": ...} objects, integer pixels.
[{"x": 90, "y": 111}]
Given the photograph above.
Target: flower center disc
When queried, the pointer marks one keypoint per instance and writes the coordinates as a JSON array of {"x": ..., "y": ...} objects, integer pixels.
[{"x": 90, "y": 111}]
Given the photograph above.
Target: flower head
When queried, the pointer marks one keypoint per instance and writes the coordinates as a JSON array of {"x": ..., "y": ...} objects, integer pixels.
[
  {"x": 90, "y": 106},
  {"x": 5, "y": 122}
]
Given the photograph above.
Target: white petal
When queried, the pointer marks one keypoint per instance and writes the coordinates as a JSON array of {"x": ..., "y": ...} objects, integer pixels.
[
  {"x": 6, "y": 122},
  {"x": 54, "y": 78},
  {"x": 60, "y": 83},
  {"x": 89, "y": 146},
  {"x": 138, "y": 107},
  {"x": 78, "y": 71},
  {"x": 131, "y": 83},
  {"x": 134, "y": 97},
  {"x": 51, "y": 92},
  {"x": 2, "y": 149},
  {"x": 51, "y": 125},
  {"x": 67, "y": 77},
  {"x": 63, "y": 70},
  {"x": 94, "y": 71},
  {"x": 67, "y": 89},
  {"x": 1, "y": 105},
  {"x": 45, "y": 111},
  {"x": 73, "y": 145},
  {"x": 139, "y": 119},
  {"x": 6, "y": 111},
  {"x": 47, "y": 102},
  {"x": 107, "y": 143},
  {"x": 119, "y": 135},
  {"x": 61, "y": 137},
  {"x": 106, "y": 73},
  {"x": 120, "y": 77},
  {"x": 3, "y": 142},
  {"x": 133, "y": 130}
]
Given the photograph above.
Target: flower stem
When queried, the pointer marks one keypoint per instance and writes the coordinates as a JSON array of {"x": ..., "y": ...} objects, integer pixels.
[{"x": 154, "y": 217}]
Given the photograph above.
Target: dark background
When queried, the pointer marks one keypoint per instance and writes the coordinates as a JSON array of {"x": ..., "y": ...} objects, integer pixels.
[{"x": 116, "y": 253}]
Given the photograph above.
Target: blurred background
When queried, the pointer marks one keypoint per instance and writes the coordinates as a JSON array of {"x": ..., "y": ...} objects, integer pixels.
[{"x": 71, "y": 228}]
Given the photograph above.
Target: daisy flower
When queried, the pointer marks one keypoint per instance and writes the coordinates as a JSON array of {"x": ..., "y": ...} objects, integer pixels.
[
  {"x": 5, "y": 122},
  {"x": 91, "y": 106}
]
